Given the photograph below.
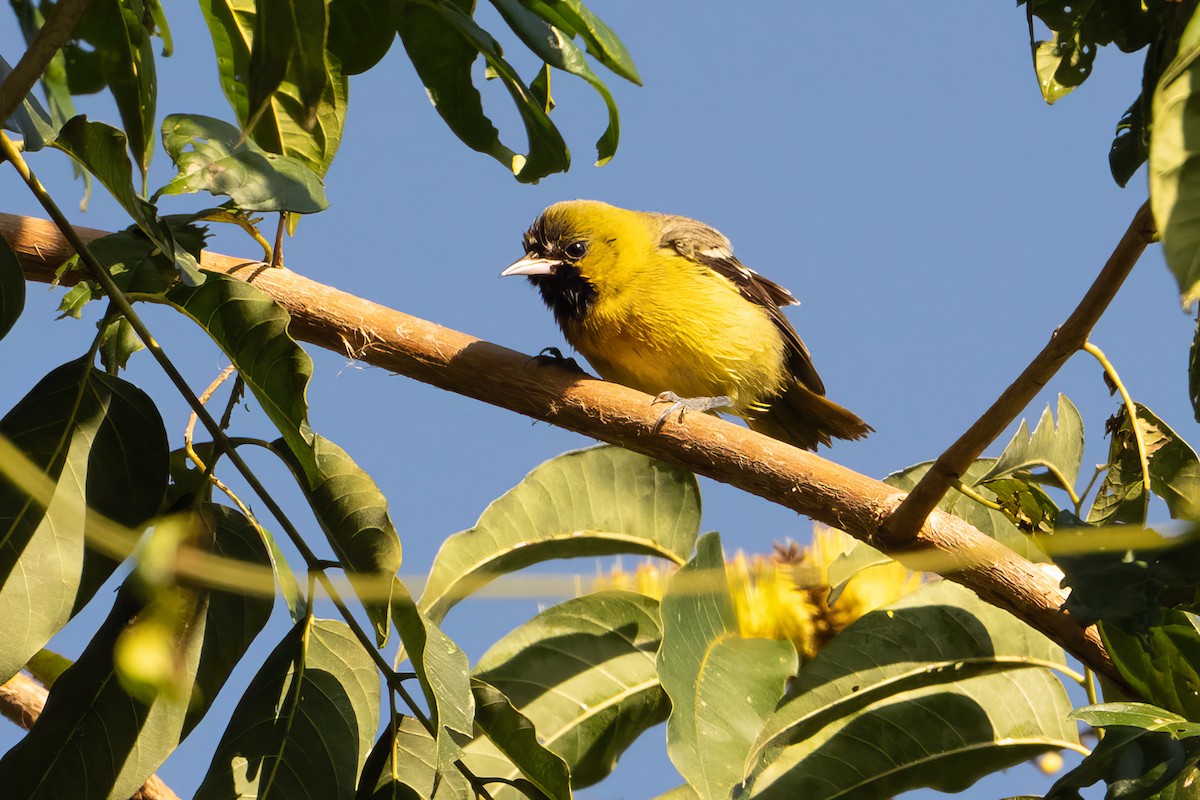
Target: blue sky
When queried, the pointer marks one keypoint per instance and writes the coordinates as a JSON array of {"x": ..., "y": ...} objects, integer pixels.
[{"x": 893, "y": 165}]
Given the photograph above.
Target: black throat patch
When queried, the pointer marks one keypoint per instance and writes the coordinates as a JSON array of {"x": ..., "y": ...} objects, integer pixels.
[{"x": 567, "y": 293}]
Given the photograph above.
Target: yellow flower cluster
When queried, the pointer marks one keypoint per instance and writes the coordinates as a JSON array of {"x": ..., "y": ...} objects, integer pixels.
[{"x": 784, "y": 595}]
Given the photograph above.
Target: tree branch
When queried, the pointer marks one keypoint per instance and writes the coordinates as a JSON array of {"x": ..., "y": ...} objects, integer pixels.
[
  {"x": 22, "y": 700},
  {"x": 704, "y": 444},
  {"x": 903, "y": 525},
  {"x": 53, "y": 35}
]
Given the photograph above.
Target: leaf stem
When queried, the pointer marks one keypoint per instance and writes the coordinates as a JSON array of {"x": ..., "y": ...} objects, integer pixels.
[
  {"x": 1131, "y": 412},
  {"x": 976, "y": 496}
]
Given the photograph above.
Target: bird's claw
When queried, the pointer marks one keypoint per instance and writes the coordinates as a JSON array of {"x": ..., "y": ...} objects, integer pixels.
[
  {"x": 552, "y": 356},
  {"x": 686, "y": 404}
]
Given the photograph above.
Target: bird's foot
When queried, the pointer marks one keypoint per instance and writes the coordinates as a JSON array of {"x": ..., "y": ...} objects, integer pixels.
[
  {"x": 552, "y": 356},
  {"x": 686, "y": 404}
]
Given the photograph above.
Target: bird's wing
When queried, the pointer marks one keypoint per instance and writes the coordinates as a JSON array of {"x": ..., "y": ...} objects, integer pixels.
[{"x": 707, "y": 246}]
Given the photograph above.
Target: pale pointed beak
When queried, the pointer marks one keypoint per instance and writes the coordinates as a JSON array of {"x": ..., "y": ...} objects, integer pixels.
[{"x": 532, "y": 265}]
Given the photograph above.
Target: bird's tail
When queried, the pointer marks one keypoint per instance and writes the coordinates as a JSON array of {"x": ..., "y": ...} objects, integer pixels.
[{"x": 803, "y": 418}]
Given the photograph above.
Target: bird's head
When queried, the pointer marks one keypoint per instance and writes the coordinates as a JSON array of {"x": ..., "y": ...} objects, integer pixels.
[{"x": 572, "y": 253}]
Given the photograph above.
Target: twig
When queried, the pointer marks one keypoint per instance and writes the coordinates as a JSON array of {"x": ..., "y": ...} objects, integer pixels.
[
  {"x": 721, "y": 450},
  {"x": 1130, "y": 411},
  {"x": 22, "y": 700},
  {"x": 54, "y": 34},
  {"x": 906, "y": 521}
]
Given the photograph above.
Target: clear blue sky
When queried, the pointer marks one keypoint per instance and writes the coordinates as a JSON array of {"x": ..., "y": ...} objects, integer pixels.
[{"x": 893, "y": 165}]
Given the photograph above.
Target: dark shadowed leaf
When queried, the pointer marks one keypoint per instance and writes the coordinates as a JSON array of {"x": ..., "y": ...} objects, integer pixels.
[
  {"x": 93, "y": 740},
  {"x": 102, "y": 441},
  {"x": 1131, "y": 144},
  {"x": 12, "y": 288},
  {"x": 251, "y": 329},
  {"x": 288, "y": 43},
  {"x": 29, "y": 118},
  {"x": 360, "y": 33},
  {"x": 945, "y": 688},
  {"x": 306, "y": 722},
  {"x": 583, "y": 673},
  {"x": 100, "y": 149},
  {"x": 599, "y": 501},
  {"x": 515, "y": 737},
  {"x": 1161, "y": 662},
  {"x": 403, "y": 766},
  {"x": 722, "y": 687},
  {"x": 118, "y": 342},
  {"x": 1194, "y": 373},
  {"x": 212, "y": 156}
]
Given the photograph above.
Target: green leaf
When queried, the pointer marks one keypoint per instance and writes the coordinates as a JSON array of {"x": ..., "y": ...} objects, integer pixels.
[
  {"x": 944, "y": 686},
  {"x": 360, "y": 33},
  {"x": 353, "y": 513},
  {"x": 515, "y": 737},
  {"x": 102, "y": 442},
  {"x": 442, "y": 670},
  {"x": 1174, "y": 166},
  {"x": 1056, "y": 448},
  {"x": 1174, "y": 472},
  {"x": 555, "y": 48},
  {"x": 93, "y": 740},
  {"x": 1194, "y": 373},
  {"x": 159, "y": 26},
  {"x": 100, "y": 149},
  {"x": 221, "y": 162},
  {"x": 583, "y": 673},
  {"x": 1161, "y": 663},
  {"x": 1145, "y": 748},
  {"x": 251, "y": 329},
  {"x": 288, "y": 125},
  {"x": 118, "y": 342},
  {"x": 858, "y": 557},
  {"x": 306, "y": 722},
  {"x": 1062, "y": 65},
  {"x": 722, "y": 687},
  {"x": 404, "y": 766},
  {"x": 232, "y": 619},
  {"x": 288, "y": 42},
  {"x": 599, "y": 501},
  {"x": 993, "y": 523},
  {"x": 116, "y": 31},
  {"x": 29, "y": 118},
  {"x": 1131, "y": 144},
  {"x": 12, "y": 288},
  {"x": 443, "y": 42}
]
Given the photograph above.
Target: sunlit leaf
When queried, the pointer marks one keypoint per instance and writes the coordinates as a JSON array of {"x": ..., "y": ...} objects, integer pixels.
[
  {"x": 306, "y": 722},
  {"x": 1057, "y": 448},
  {"x": 583, "y": 673},
  {"x": 404, "y": 766},
  {"x": 1062, "y": 65},
  {"x": 722, "y": 687},
  {"x": 213, "y": 156},
  {"x": 102, "y": 441},
  {"x": 944, "y": 686},
  {"x": 514, "y": 735},
  {"x": 599, "y": 501},
  {"x": 288, "y": 43}
]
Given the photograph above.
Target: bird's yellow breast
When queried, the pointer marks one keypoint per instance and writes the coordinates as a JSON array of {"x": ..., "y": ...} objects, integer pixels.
[{"x": 677, "y": 326}]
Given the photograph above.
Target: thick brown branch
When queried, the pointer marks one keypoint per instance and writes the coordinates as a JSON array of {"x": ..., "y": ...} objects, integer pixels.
[
  {"x": 1069, "y": 338},
  {"x": 704, "y": 444},
  {"x": 53, "y": 35},
  {"x": 22, "y": 700}
]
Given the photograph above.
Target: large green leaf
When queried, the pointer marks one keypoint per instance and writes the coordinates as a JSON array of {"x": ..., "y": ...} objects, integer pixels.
[
  {"x": 117, "y": 31},
  {"x": 722, "y": 687},
  {"x": 360, "y": 33},
  {"x": 583, "y": 673},
  {"x": 1161, "y": 663},
  {"x": 1056, "y": 448},
  {"x": 93, "y": 740},
  {"x": 442, "y": 670},
  {"x": 103, "y": 443},
  {"x": 222, "y": 162},
  {"x": 306, "y": 722},
  {"x": 12, "y": 288},
  {"x": 353, "y": 513},
  {"x": 251, "y": 329},
  {"x": 100, "y": 149},
  {"x": 443, "y": 42},
  {"x": 1175, "y": 163},
  {"x": 599, "y": 501},
  {"x": 289, "y": 41},
  {"x": 944, "y": 687},
  {"x": 288, "y": 124},
  {"x": 232, "y": 619},
  {"x": 1174, "y": 472},
  {"x": 994, "y": 523},
  {"x": 404, "y": 766},
  {"x": 514, "y": 735}
]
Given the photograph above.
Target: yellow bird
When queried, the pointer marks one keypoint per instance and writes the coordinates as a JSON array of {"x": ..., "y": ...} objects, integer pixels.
[{"x": 659, "y": 303}]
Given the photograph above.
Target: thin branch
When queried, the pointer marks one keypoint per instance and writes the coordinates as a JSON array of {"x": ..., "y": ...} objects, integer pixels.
[
  {"x": 704, "y": 444},
  {"x": 22, "y": 700},
  {"x": 1135, "y": 426},
  {"x": 53, "y": 35},
  {"x": 903, "y": 525}
]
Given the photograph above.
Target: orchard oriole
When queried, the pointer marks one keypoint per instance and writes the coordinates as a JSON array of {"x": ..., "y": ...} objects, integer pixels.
[{"x": 659, "y": 303}]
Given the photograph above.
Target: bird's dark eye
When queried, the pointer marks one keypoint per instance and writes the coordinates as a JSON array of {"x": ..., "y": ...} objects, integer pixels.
[{"x": 576, "y": 250}]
